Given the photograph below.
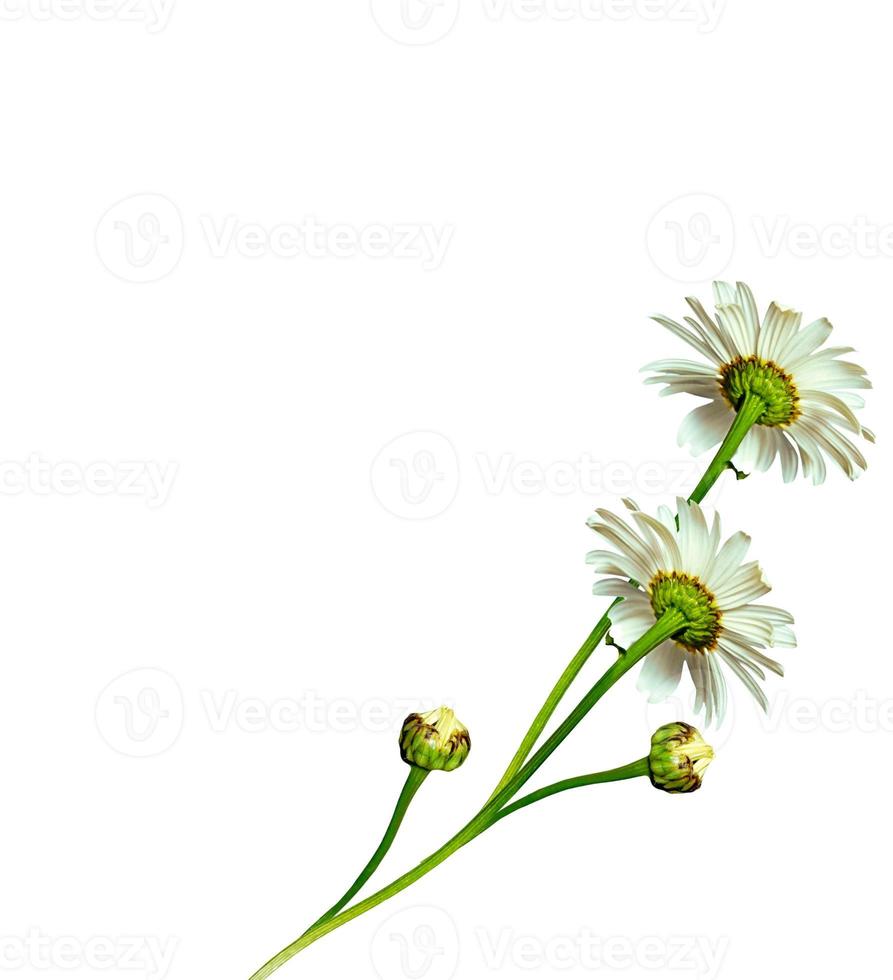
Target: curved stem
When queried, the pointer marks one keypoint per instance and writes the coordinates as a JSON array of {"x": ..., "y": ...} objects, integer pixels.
[
  {"x": 554, "y": 698},
  {"x": 412, "y": 785},
  {"x": 669, "y": 624},
  {"x": 750, "y": 411},
  {"x": 631, "y": 771}
]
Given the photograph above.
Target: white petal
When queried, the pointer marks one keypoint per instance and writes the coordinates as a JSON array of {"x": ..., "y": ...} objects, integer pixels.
[
  {"x": 661, "y": 672},
  {"x": 616, "y": 587},
  {"x": 745, "y": 678},
  {"x": 706, "y": 426},
  {"x": 779, "y": 326},
  {"x": 631, "y": 620},
  {"x": 727, "y": 561}
]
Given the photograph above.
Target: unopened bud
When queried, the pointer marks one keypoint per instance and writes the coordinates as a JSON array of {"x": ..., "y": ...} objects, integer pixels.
[
  {"x": 678, "y": 758},
  {"x": 434, "y": 740}
]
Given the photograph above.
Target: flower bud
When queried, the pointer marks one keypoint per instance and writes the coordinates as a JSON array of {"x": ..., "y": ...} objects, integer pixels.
[
  {"x": 434, "y": 740},
  {"x": 678, "y": 758}
]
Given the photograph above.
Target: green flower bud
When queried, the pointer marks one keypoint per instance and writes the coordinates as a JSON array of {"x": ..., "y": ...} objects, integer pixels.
[
  {"x": 434, "y": 740},
  {"x": 679, "y": 756}
]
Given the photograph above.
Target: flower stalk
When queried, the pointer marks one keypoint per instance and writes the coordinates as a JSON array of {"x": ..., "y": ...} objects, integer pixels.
[
  {"x": 412, "y": 785},
  {"x": 631, "y": 771},
  {"x": 668, "y": 625},
  {"x": 750, "y": 411},
  {"x": 666, "y": 576},
  {"x": 552, "y": 701}
]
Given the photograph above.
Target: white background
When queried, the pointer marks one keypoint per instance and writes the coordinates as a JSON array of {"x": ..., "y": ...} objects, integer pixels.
[{"x": 246, "y": 544}]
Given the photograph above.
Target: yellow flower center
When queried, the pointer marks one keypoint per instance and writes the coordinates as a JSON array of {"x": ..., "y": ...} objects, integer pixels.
[
  {"x": 753, "y": 375},
  {"x": 676, "y": 590}
]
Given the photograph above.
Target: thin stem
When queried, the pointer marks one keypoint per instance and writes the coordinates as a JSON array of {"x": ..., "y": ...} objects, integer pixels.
[
  {"x": 554, "y": 698},
  {"x": 750, "y": 411},
  {"x": 631, "y": 771},
  {"x": 412, "y": 785},
  {"x": 669, "y": 624}
]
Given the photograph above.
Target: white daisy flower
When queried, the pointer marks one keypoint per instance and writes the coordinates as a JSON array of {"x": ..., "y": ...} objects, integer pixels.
[
  {"x": 800, "y": 393},
  {"x": 689, "y": 569}
]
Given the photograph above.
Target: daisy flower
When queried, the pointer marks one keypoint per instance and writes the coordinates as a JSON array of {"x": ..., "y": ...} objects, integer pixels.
[
  {"x": 798, "y": 396},
  {"x": 691, "y": 570}
]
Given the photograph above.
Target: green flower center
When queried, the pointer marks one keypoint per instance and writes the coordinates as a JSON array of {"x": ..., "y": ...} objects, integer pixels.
[
  {"x": 753, "y": 375},
  {"x": 676, "y": 590}
]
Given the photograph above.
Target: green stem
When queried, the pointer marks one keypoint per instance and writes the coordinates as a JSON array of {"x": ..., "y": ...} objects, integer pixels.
[
  {"x": 668, "y": 625},
  {"x": 750, "y": 411},
  {"x": 631, "y": 771},
  {"x": 553, "y": 700},
  {"x": 412, "y": 785}
]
